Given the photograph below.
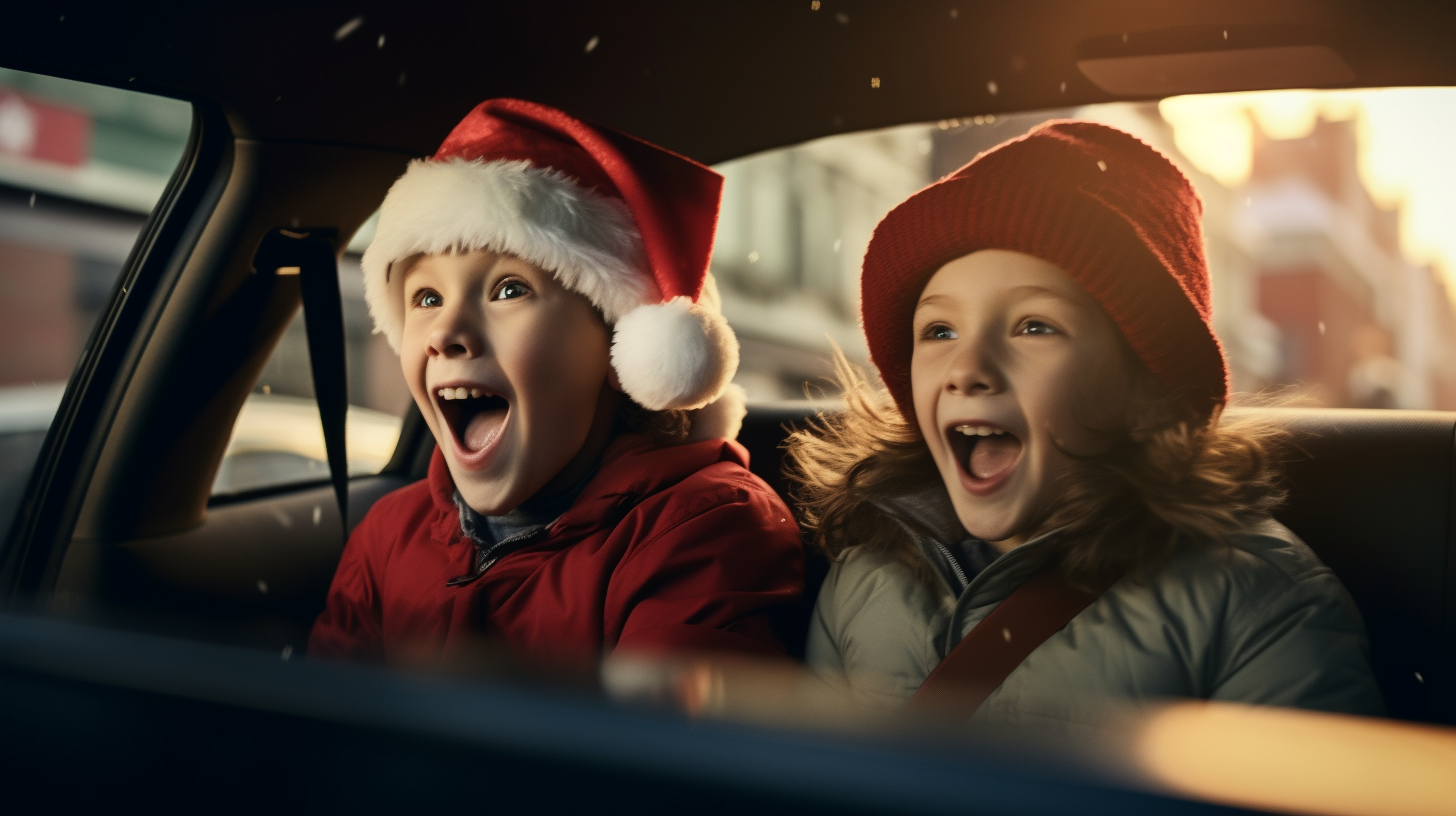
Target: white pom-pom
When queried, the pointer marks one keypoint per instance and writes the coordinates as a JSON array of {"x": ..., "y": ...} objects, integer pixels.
[{"x": 673, "y": 355}]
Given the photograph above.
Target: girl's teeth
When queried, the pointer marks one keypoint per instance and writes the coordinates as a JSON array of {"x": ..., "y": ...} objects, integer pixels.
[
  {"x": 476, "y": 392},
  {"x": 979, "y": 430}
]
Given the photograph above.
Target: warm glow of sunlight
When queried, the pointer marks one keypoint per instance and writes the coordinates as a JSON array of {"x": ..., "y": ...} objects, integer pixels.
[
  {"x": 1301, "y": 761},
  {"x": 1404, "y": 142}
]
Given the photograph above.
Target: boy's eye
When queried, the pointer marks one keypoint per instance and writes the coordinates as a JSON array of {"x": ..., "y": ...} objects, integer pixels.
[
  {"x": 428, "y": 298},
  {"x": 511, "y": 290},
  {"x": 1036, "y": 327},
  {"x": 939, "y": 331}
]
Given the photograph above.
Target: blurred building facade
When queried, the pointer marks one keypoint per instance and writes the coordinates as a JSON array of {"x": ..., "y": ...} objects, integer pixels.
[{"x": 1311, "y": 291}]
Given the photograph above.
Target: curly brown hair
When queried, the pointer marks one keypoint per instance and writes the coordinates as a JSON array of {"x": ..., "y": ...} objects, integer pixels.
[{"x": 1170, "y": 480}]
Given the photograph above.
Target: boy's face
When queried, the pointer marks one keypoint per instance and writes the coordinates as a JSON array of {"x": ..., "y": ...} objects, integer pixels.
[
  {"x": 511, "y": 372},
  {"x": 1016, "y": 371}
]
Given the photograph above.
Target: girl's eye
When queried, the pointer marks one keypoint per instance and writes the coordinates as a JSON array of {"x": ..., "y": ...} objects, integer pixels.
[
  {"x": 1036, "y": 327},
  {"x": 428, "y": 299},
  {"x": 511, "y": 290},
  {"x": 939, "y": 331}
]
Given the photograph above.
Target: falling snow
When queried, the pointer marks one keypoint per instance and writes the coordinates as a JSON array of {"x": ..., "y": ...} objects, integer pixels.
[
  {"x": 954, "y": 13},
  {"x": 1102, "y": 165},
  {"x": 874, "y": 82},
  {"x": 591, "y": 45},
  {"x": 348, "y": 28},
  {"x": 262, "y": 586},
  {"x": 991, "y": 87},
  {"x": 814, "y": 6},
  {"x": 380, "y": 43},
  {"x": 753, "y": 257},
  {"x": 841, "y": 18}
]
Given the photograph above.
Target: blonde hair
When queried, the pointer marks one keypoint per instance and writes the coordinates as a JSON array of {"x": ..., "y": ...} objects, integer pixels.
[{"x": 1171, "y": 480}]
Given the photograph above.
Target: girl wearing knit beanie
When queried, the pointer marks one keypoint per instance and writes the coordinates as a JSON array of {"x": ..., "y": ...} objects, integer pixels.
[{"x": 1050, "y": 434}]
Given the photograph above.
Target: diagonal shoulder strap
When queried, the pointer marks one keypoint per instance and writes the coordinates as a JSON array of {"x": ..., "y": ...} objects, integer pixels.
[
  {"x": 977, "y": 666},
  {"x": 310, "y": 255}
]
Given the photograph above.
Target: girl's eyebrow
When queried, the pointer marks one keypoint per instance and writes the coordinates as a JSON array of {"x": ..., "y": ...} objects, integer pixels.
[
  {"x": 1032, "y": 290},
  {"x": 930, "y": 300}
]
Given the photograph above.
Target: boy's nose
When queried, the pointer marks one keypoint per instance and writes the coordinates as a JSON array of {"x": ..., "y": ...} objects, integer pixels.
[
  {"x": 454, "y": 335},
  {"x": 974, "y": 370}
]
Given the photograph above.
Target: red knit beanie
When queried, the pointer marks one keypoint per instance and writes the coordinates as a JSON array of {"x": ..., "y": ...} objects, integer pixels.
[{"x": 1105, "y": 207}]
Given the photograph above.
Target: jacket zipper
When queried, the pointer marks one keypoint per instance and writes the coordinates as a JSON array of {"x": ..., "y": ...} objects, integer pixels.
[
  {"x": 954, "y": 564},
  {"x": 486, "y": 557}
]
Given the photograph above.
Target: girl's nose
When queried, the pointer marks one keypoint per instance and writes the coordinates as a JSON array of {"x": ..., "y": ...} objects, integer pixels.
[
  {"x": 456, "y": 334},
  {"x": 974, "y": 370}
]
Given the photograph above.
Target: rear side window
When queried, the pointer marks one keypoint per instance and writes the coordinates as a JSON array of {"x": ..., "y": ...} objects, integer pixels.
[
  {"x": 81, "y": 168},
  {"x": 278, "y": 438}
]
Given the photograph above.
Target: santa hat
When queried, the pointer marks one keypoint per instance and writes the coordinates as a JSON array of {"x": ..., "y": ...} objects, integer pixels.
[
  {"x": 622, "y": 222},
  {"x": 1108, "y": 209}
]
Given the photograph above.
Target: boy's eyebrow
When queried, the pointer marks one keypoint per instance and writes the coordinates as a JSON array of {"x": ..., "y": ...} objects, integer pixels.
[{"x": 402, "y": 266}]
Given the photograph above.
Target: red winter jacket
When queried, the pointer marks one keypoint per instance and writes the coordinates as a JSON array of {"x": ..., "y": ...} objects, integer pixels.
[{"x": 667, "y": 548}]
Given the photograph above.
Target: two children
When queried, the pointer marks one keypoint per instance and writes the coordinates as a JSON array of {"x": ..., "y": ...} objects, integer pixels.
[
  {"x": 1053, "y": 405},
  {"x": 545, "y": 284}
]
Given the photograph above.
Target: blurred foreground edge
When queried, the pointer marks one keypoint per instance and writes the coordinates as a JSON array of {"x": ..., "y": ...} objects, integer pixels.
[{"x": 89, "y": 716}]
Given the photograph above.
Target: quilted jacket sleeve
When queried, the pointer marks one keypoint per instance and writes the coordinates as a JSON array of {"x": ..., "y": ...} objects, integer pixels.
[
  {"x": 1293, "y": 637},
  {"x": 349, "y": 628}
]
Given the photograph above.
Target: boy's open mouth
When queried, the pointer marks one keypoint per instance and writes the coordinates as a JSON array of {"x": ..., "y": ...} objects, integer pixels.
[
  {"x": 985, "y": 451},
  {"x": 475, "y": 416}
]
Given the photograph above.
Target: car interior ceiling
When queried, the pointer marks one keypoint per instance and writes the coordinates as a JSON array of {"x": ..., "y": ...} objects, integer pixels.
[{"x": 287, "y": 134}]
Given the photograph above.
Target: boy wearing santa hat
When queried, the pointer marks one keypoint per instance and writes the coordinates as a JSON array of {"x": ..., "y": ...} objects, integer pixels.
[{"x": 545, "y": 283}]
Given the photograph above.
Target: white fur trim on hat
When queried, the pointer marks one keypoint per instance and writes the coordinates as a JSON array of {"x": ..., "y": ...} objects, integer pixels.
[{"x": 586, "y": 239}]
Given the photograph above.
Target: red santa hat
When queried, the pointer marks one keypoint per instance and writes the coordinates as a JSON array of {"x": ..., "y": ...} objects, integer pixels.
[{"x": 622, "y": 222}]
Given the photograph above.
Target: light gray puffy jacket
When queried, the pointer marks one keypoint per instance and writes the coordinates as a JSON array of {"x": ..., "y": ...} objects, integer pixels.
[{"x": 1262, "y": 621}]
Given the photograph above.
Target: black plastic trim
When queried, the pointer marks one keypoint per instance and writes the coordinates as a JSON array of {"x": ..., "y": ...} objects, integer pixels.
[{"x": 48, "y": 512}]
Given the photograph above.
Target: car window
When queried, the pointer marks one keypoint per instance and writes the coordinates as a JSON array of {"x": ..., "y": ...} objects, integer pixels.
[
  {"x": 81, "y": 167},
  {"x": 1326, "y": 215}
]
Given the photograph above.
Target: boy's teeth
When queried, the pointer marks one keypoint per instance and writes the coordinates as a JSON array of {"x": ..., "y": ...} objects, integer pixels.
[{"x": 460, "y": 393}]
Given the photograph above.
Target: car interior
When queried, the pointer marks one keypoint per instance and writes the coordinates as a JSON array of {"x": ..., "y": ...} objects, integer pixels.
[{"x": 294, "y": 128}]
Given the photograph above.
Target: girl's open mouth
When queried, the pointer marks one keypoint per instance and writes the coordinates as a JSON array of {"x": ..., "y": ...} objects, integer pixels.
[
  {"x": 987, "y": 455},
  {"x": 475, "y": 416}
]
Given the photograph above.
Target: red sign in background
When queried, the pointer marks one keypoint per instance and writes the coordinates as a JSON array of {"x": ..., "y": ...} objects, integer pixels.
[{"x": 39, "y": 130}]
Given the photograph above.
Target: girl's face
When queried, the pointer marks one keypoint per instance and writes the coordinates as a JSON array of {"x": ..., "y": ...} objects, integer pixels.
[{"x": 1016, "y": 372}]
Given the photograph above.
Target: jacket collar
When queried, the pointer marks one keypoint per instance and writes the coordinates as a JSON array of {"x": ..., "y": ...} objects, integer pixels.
[
  {"x": 927, "y": 515},
  {"x": 632, "y": 467}
]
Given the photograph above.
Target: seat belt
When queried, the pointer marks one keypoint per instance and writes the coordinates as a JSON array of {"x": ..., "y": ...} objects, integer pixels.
[
  {"x": 309, "y": 254},
  {"x": 981, "y": 662}
]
